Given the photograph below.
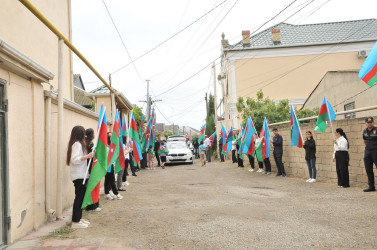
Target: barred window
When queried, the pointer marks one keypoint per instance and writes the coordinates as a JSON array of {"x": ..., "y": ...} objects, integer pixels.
[{"x": 349, "y": 106}]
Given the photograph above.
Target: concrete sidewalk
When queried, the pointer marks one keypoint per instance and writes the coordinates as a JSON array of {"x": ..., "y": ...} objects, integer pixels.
[{"x": 37, "y": 239}]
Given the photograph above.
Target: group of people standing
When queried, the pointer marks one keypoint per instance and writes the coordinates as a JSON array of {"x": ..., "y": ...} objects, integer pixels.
[
  {"x": 79, "y": 155},
  {"x": 340, "y": 155},
  {"x": 202, "y": 150}
]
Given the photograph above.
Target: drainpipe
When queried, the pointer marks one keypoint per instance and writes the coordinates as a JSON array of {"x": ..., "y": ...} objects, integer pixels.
[
  {"x": 59, "y": 198},
  {"x": 50, "y": 213}
]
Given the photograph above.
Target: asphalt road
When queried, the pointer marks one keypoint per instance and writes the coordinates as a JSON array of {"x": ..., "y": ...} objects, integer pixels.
[{"x": 220, "y": 206}]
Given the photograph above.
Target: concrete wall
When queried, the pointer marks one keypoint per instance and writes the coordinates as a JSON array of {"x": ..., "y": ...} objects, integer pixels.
[
  {"x": 27, "y": 151},
  {"x": 23, "y": 31},
  {"x": 294, "y": 158},
  {"x": 343, "y": 87}
]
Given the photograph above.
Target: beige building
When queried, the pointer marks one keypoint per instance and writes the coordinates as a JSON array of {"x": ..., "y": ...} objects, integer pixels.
[
  {"x": 345, "y": 91},
  {"x": 287, "y": 61},
  {"x": 35, "y": 183}
]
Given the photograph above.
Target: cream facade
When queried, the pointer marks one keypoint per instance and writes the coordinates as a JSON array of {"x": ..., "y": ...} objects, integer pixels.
[
  {"x": 290, "y": 65},
  {"x": 32, "y": 186},
  {"x": 344, "y": 90}
]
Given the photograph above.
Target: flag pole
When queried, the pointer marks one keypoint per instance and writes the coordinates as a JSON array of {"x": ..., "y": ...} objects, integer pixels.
[
  {"x": 328, "y": 113},
  {"x": 95, "y": 144},
  {"x": 298, "y": 125}
]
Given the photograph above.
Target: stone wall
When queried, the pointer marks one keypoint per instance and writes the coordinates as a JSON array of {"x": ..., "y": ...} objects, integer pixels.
[{"x": 294, "y": 157}]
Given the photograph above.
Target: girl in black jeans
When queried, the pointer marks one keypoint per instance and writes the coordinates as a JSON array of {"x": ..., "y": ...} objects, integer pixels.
[
  {"x": 76, "y": 159},
  {"x": 310, "y": 158}
]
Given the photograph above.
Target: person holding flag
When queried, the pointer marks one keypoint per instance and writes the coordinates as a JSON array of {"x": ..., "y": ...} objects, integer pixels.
[
  {"x": 238, "y": 142},
  {"x": 265, "y": 140},
  {"x": 341, "y": 158},
  {"x": 310, "y": 158},
  {"x": 277, "y": 141},
  {"x": 221, "y": 147},
  {"x": 163, "y": 151},
  {"x": 76, "y": 159}
]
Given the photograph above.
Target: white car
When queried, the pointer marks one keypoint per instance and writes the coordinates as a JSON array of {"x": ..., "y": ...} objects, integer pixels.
[{"x": 178, "y": 153}]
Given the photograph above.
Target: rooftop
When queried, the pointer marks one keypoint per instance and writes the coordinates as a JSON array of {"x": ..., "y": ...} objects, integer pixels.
[
  {"x": 103, "y": 91},
  {"x": 312, "y": 34}
]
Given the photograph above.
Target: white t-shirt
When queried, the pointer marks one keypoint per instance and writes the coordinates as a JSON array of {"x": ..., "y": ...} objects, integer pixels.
[
  {"x": 207, "y": 143},
  {"x": 234, "y": 143},
  {"x": 342, "y": 145},
  {"x": 77, "y": 166}
]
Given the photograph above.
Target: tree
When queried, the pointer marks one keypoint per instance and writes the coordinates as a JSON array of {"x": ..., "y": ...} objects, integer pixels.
[
  {"x": 168, "y": 133},
  {"x": 261, "y": 107},
  {"x": 137, "y": 113},
  {"x": 210, "y": 119}
]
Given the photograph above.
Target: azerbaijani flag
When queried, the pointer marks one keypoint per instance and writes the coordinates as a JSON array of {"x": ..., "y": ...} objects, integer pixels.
[
  {"x": 249, "y": 145},
  {"x": 368, "y": 71},
  {"x": 163, "y": 149},
  {"x": 296, "y": 137},
  {"x": 99, "y": 167},
  {"x": 228, "y": 143},
  {"x": 114, "y": 145},
  {"x": 134, "y": 135},
  {"x": 212, "y": 138},
  {"x": 124, "y": 131},
  {"x": 242, "y": 143},
  {"x": 223, "y": 134},
  {"x": 120, "y": 161},
  {"x": 265, "y": 139},
  {"x": 201, "y": 133},
  {"x": 258, "y": 150},
  {"x": 326, "y": 115}
]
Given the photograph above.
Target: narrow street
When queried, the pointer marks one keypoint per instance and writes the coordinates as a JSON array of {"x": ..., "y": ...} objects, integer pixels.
[{"x": 220, "y": 206}]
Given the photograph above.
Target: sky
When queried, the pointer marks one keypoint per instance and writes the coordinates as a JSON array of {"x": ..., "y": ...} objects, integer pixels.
[{"x": 174, "y": 43}]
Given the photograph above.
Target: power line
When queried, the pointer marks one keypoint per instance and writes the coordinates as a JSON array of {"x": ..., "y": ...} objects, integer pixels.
[
  {"x": 124, "y": 45},
  {"x": 169, "y": 37}
]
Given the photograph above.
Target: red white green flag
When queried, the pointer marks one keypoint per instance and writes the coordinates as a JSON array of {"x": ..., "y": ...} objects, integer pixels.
[{"x": 99, "y": 162}]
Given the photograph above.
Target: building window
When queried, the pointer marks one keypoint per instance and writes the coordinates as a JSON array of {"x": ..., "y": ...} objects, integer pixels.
[{"x": 349, "y": 106}]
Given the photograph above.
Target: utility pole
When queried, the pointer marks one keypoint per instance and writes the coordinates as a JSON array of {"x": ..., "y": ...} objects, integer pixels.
[
  {"x": 205, "y": 98},
  {"x": 148, "y": 102},
  {"x": 112, "y": 101},
  {"x": 215, "y": 94}
]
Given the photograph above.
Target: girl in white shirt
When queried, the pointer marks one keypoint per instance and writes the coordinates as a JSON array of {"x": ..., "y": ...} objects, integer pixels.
[
  {"x": 341, "y": 158},
  {"x": 76, "y": 159}
]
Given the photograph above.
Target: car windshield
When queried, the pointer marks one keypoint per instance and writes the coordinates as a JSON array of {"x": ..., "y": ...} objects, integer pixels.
[{"x": 176, "y": 145}]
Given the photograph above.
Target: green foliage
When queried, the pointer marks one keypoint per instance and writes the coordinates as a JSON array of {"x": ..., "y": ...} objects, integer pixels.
[
  {"x": 262, "y": 107},
  {"x": 158, "y": 134},
  {"x": 61, "y": 233},
  {"x": 168, "y": 133},
  {"x": 210, "y": 120},
  {"x": 137, "y": 113}
]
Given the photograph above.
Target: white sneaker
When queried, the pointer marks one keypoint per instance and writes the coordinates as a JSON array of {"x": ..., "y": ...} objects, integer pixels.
[
  {"x": 111, "y": 193},
  {"x": 312, "y": 181},
  {"x": 252, "y": 170},
  {"x": 109, "y": 197},
  {"x": 260, "y": 170},
  {"x": 127, "y": 183},
  {"x": 308, "y": 180},
  {"x": 78, "y": 225},
  {"x": 97, "y": 209},
  {"x": 118, "y": 197},
  {"x": 85, "y": 222}
]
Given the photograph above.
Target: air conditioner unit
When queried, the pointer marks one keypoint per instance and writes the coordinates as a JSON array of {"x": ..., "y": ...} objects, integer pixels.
[{"x": 363, "y": 53}]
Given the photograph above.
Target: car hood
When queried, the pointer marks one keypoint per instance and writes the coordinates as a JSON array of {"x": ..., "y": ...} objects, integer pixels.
[{"x": 179, "y": 151}]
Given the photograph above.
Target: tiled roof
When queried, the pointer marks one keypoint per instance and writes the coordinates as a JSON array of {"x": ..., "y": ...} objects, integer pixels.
[
  {"x": 80, "y": 97},
  {"x": 77, "y": 81},
  {"x": 104, "y": 90},
  {"x": 313, "y": 34}
]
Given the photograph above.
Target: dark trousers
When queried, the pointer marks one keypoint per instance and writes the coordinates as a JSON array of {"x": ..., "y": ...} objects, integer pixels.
[
  {"x": 370, "y": 157},
  {"x": 79, "y": 197},
  {"x": 279, "y": 163},
  {"x": 125, "y": 172},
  {"x": 208, "y": 154},
  {"x": 251, "y": 161},
  {"x": 260, "y": 164},
  {"x": 158, "y": 158},
  {"x": 133, "y": 168},
  {"x": 341, "y": 158},
  {"x": 221, "y": 155},
  {"x": 234, "y": 158},
  {"x": 239, "y": 161},
  {"x": 267, "y": 163},
  {"x": 110, "y": 182},
  {"x": 144, "y": 163}
]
